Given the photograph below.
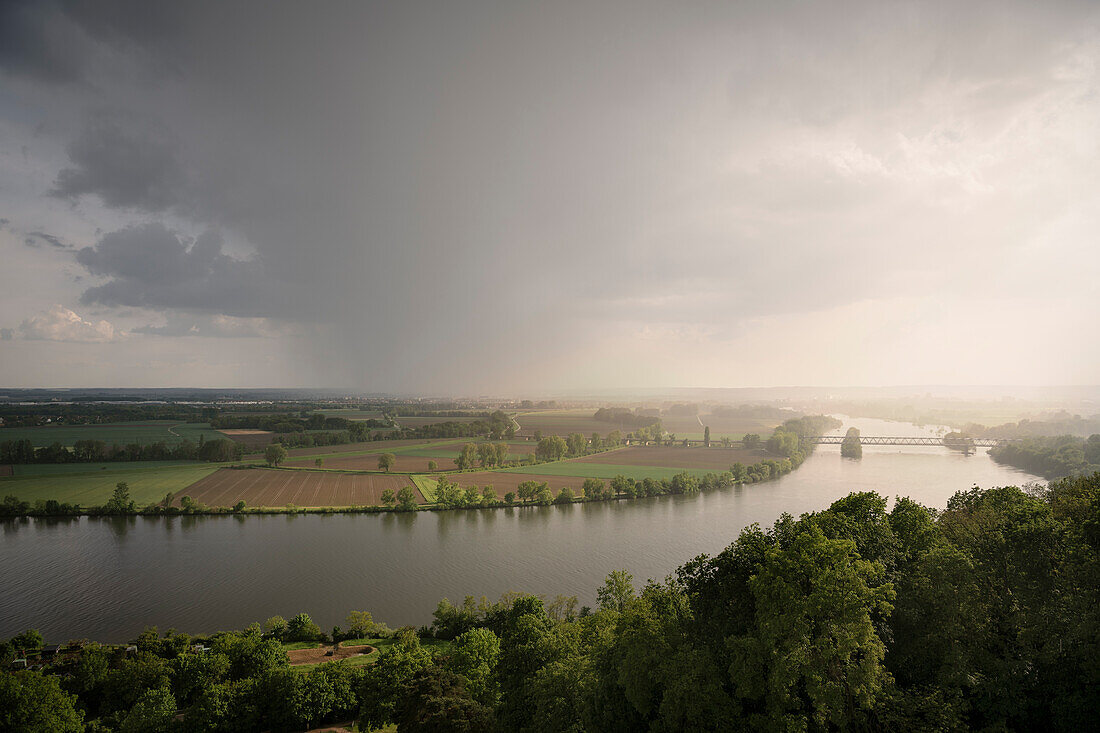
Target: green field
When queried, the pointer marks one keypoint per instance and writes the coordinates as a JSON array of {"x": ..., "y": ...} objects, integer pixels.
[
  {"x": 451, "y": 449},
  {"x": 55, "y": 469},
  {"x": 147, "y": 484},
  {"x": 144, "y": 433},
  {"x": 604, "y": 470},
  {"x": 434, "y": 450},
  {"x": 427, "y": 486}
]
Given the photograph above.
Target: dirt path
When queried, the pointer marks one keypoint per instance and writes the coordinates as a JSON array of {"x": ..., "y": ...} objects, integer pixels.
[{"x": 322, "y": 654}]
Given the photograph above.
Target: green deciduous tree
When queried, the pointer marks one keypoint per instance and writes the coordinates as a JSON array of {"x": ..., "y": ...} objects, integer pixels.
[
  {"x": 565, "y": 496},
  {"x": 551, "y": 448},
  {"x": 120, "y": 501},
  {"x": 406, "y": 499},
  {"x": 467, "y": 458},
  {"x": 813, "y": 658},
  {"x": 593, "y": 489},
  {"x": 153, "y": 713},
  {"x": 302, "y": 628},
  {"x": 437, "y": 700},
  {"x": 34, "y": 702},
  {"x": 386, "y": 461},
  {"x": 383, "y": 681},
  {"x": 474, "y": 656},
  {"x": 275, "y": 454},
  {"x": 616, "y": 591}
]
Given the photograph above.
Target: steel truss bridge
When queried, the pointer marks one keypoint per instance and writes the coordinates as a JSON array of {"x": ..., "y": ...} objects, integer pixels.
[{"x": 960, "y": 444}]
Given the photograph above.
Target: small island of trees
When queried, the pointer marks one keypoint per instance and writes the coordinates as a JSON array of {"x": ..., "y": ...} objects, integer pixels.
[{"x": 851, "y": 447}]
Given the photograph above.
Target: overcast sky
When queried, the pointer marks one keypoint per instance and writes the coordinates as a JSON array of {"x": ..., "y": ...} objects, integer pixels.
[{"x": 473, "y": 197}]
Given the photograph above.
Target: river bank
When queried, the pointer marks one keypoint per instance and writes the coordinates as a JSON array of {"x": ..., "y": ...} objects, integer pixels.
[{"x": 106, "y": 577}]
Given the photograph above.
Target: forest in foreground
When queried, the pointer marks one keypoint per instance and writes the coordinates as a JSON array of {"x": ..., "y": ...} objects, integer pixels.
[{"x": 985, "y": 615}]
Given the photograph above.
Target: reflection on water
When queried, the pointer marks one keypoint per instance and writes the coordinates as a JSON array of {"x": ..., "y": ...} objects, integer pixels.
[{"x": 107, "y": 577}]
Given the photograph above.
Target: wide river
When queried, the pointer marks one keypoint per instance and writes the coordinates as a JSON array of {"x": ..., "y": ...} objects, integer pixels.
[{"x": 107, "y": 578}]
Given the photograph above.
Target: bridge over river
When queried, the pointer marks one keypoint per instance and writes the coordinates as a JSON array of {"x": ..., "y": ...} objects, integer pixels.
[{"x": 959, "y": 443}]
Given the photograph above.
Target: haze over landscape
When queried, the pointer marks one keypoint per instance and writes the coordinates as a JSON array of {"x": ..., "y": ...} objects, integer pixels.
[{"x": 501, "y": 198}]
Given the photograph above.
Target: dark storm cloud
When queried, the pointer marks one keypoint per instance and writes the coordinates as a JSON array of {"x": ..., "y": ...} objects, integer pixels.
[
  {"x": 134, "y": 170},
  {"x": 59, "y": 41},
  {"x": 149, "y": 266},
  {"x": 38, "y": 41}
]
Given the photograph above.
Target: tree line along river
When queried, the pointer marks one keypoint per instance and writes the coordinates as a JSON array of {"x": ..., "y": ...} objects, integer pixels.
[{"x": 106, "y": 578}]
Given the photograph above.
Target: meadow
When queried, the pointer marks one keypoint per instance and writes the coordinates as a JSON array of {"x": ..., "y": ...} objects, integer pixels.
[
  {"x": 69, "y": 469},
  {"x": 715, "y": 458},
  {"x": 148, "y": 484}
]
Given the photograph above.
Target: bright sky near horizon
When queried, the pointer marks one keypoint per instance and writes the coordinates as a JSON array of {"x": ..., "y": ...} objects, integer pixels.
[{"x": 496, "y": 197}]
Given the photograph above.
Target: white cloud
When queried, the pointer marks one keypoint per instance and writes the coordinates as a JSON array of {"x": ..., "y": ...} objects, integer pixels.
[{"x": 61, "y": 324}]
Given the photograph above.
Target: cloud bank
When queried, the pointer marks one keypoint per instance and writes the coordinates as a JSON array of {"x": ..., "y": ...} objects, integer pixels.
[{"x": 490, "y": 197}]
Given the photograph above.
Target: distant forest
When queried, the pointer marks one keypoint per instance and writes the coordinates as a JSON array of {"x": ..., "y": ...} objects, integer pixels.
[
  {"x": 983, "y": 616},
  {"x": 1064, "y": 455},
  {"x": 1063, "y": 424}
]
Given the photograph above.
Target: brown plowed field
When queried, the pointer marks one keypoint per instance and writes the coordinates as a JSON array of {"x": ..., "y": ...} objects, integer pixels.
[
  {"x": 505, "y": 482},
  {"x": 408, "y": 464},
  {"x": 250, "y": 438},
  {"x": 719, "y": 459},
  {"x": 275, "y": 488}
]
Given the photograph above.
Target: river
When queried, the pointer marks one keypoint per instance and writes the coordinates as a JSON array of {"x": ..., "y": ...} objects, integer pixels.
[{"x": 107, "y": 578}]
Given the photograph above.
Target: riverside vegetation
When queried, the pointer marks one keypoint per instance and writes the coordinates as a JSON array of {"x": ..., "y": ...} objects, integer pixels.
[
  {"x": 985, "y": 615},
  {"x": 784, "y": 444}
]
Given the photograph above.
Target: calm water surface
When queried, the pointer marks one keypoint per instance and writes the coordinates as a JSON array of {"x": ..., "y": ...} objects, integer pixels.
[{"x": 108, "y": 578}]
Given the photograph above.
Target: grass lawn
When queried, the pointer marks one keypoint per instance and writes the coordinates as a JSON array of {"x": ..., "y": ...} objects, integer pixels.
[
  {"x": 147, "y": 484},
  {"x": 604, "y": 470},
  {"x": 152, "y": 431}
]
